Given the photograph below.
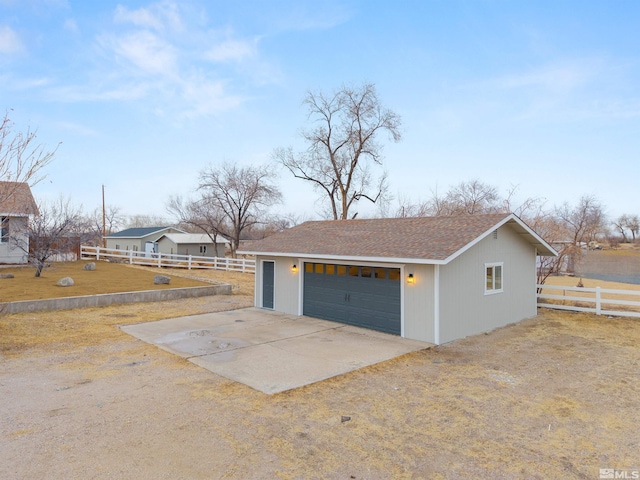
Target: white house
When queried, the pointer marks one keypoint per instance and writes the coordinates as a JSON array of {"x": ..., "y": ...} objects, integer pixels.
[
  {"x": 433, "y": 279},
  {"x": 16, "y": 206},
  {"x": 196, "y": 244}
]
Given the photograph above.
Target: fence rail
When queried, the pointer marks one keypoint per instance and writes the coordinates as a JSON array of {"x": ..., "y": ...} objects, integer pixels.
[
  {"x": 243, "y": 265},
  {"x": 595, "y": 300}
]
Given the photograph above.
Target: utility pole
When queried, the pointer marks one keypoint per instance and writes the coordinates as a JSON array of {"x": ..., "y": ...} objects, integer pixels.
[{"x": 104, "y": 221}]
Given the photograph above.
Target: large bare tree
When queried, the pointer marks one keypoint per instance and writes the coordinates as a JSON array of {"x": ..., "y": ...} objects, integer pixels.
[
  {"x": 21, "y": 157},
  {"x": 241, "y": 194},
  {"x": 343, "y": 146}
]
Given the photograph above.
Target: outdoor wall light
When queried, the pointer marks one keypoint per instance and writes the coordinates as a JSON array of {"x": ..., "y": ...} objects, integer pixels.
[
  {"x": 411, "y": 279},
  {"x": 294, "y": 268}
]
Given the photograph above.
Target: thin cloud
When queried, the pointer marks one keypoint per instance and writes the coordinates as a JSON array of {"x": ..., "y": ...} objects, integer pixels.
[
  {"x": 157, "y": 16},
  {"x": 232, "y": 50},
  {"x": 71, "y": 25},
  {"x": 564, "y": 76},
  {"x": 145, "y": 51},
  {"x": 76, "y": 128},
  {"x": 10, "y": 42}
]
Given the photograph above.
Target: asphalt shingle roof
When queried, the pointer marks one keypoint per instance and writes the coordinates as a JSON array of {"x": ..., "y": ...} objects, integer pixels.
[
  {"x": 16, "y": 199},
  {"x": 425, "y": 238}
]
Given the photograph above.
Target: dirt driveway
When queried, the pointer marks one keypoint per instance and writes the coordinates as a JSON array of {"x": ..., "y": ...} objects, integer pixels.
[{"x": 557, "y": 397}]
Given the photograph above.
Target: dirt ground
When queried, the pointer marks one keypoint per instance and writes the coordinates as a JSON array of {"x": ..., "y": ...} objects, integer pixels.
[{"x": 553, "y": 397}]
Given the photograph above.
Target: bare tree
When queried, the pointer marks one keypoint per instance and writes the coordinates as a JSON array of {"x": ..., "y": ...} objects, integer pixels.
[
  {"x": 473, "y": 197},
  {"x": 21, "y": 158},
  {"x": 620, "y": 224},
  {"x": 202, "y": 215},
  {"x": 342, "y": 147},
  {"x": 555, "y": 232},
  {"x": 113, "y": 221},
  {"x": 470, "y": 198},
  {"x": 140, "y": 221},
  {"x": 242, "y": 195},
  {"x": 58, "y": 226},
  {"x": 632, "y": 223},
  {"x": 585, "y": 220}
]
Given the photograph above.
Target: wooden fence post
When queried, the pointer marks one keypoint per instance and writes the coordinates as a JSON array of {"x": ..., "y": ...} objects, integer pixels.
[{"x": 598, "y": 302}]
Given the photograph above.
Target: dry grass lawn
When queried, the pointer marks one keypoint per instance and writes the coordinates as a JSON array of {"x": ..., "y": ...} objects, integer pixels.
[
  {"x": 557, "y": 396},
  {"x": 106, "y": 278}
]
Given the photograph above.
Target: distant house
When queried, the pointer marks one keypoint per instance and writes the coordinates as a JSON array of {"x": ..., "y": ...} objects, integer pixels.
[
  {"x": 139, "y": 239},
  {"x": 196, "y": 244},
  {"x": 16, "y": 206},
  {"x": 432, "y": 279}
]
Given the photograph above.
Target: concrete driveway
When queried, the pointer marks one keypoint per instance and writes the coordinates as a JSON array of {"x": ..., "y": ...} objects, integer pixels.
[{"x": 269, "y": 351}]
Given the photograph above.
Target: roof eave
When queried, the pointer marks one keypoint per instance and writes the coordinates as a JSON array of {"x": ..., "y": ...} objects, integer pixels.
[{"x": 345, "y": 258}]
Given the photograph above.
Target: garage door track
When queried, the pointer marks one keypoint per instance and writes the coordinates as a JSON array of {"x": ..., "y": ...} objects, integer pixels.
[{"x": 269, "y": 351}]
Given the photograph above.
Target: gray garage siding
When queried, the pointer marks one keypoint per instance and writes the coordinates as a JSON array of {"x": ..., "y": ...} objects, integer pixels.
[
  {"x": 474, "y": 312},
  {"x": 287, "y": 284},
  {"x": 419, "y": 303}
]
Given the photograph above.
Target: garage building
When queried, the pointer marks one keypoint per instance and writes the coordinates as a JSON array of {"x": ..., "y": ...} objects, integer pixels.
[{"x": 434, "y": 279}]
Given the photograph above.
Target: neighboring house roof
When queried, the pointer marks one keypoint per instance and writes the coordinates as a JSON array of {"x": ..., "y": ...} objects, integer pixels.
[
  {"x": 201, "y": 238},
  {"x": 139, "y": 232},
  {"x": 16, "y": 199},
  {"x": 435, "y": 240}
]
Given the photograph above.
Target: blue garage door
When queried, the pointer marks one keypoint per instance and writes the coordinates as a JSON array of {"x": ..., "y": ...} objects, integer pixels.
[{"x": 362, "y": 296}]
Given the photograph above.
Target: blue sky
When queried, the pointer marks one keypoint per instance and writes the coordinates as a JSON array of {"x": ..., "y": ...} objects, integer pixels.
[{"x": 143, "y": 95}]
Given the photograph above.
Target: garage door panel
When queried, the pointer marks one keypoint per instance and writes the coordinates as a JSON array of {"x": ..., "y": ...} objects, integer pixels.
[{"x": 361, "y": 296}]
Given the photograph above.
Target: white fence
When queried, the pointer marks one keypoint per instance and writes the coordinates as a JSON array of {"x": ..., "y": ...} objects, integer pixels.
[
  {"x": 597, "y": 300},
  {"x": 168, "y": 260}
]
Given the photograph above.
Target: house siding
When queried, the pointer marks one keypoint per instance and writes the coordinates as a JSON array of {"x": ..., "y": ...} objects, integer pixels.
[
  {"x": 418, "y": 303},
  {"x": 287, "y": 284},
  {"x": 165, "y": 245},
  {"x": 465, "y": 309},
  {"x": 127, "y": 243},
  {"x": 9, "y": 252}
]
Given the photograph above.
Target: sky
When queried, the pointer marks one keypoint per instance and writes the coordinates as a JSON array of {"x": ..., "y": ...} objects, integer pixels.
[{"x": 140, "y": 96}]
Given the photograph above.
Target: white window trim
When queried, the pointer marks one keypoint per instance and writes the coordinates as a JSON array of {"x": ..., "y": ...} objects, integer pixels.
[{"x": 484, "y": 278}]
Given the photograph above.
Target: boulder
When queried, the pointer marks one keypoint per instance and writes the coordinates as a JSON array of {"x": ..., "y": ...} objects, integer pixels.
[
  {"x": 161, "y": 280},
  {"x": 6, "y": 275},
  {"x": 65, "y": 282},
  {"x": 90, "y": 266}
]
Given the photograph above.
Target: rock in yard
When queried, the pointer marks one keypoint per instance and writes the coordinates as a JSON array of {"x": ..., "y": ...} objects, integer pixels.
[
  {"x": 6, "y": 275},
  {"x": 65, "y": 282},
  {"x": 161, "y": 280},
  {"x": 90, "y": 266}
]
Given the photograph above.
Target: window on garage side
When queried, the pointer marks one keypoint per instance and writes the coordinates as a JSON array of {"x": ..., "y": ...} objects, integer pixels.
[{"x": 493, "y": 278}]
